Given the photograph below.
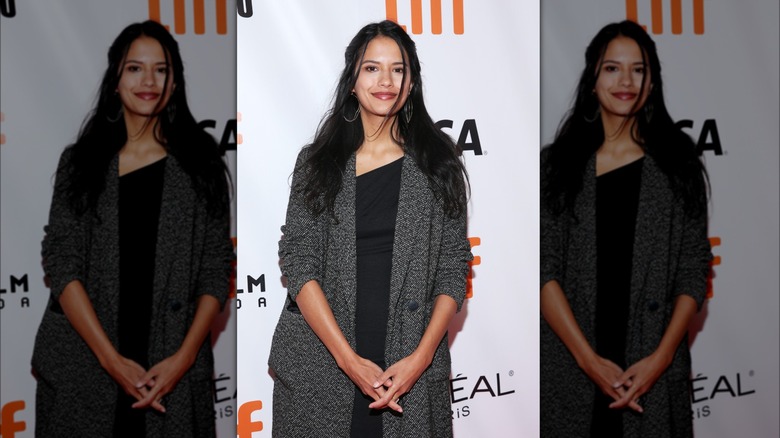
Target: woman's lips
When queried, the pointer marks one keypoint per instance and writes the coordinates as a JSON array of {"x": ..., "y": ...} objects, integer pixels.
[
  {"x": 147, "y": 96},
  {"x": 384, "y": 95},
  {"x": 624, "y": 96}
]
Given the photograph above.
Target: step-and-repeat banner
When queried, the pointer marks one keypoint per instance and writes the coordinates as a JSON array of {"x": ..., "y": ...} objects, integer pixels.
[
  {"x": 720, "y": 67},
  {"x": 480, "y": 65},
  {"x": 53, "y": 58}
]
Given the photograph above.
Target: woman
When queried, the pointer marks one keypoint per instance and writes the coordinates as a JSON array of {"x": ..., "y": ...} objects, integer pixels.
[
  {"x": 376, "y": 256},
  {"x": 138, "y": 258},
  {"x": 625, "y": 254}
]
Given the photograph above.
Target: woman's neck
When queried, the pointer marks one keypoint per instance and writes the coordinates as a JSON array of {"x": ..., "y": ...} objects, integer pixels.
[{"x": 142, "y": 147}]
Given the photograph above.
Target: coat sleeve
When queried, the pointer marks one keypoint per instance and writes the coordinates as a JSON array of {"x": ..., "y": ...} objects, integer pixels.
[
  {"x": 453, "y": 263},
  {"x": 551, "y": 246},
  {"x": 302, "y": 246},
  {"x": 216, "y": 265},
  {"x": 66, "y": 237},
  {"x": 695, "y": 257}
]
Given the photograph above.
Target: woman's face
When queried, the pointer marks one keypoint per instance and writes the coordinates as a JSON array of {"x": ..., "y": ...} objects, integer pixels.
[
  {"x": 379, "y": 80},
  {"x": 620, "y": 78},
  {"x": 142, "y": 79}
]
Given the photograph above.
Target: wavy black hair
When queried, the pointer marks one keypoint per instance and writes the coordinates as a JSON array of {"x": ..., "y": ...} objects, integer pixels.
[
  {"x": 336, "y": 139},
  {"x": 581, "y": 131},
  {"x": 103, "y": 132}
]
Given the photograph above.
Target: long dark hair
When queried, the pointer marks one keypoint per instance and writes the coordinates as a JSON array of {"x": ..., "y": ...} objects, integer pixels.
[
  {"x": 103, "y": 132},
  {"x": 337, "y": 139},
  {"x": 581, "y": 131}
]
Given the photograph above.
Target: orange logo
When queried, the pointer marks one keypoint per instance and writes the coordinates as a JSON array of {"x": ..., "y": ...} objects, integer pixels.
[
  {"x": 9, "y": 426},
  {"x": 391, "y": 7},
  {"x": 473, "y": 241},
  {"x": 239, "y": 137},
  {"x": 656, "y": 15},
  {"x": 714, "y": 241},
  {"x": 199, "y": 13},
  {"x": 245, "y": 426},
  {"x": 2, "y": 136}
]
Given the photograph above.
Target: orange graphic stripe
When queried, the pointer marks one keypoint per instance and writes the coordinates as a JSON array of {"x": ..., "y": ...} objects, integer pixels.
[
  {"x": 631, "y": 11},
  {"x": 677, "y": 26},
  {"x": 436, "y": 17},
  {"x": 458, "y": 16},
  {"x": 698, "y": 17},
  {"x": 657, "y": 11},
  {"x": 417, "y": 26},
  {"x": 154, "y": 10},
  {"x": 179, "y": 18},
  {"x": 221, "y": 17},
  {"x": 200, "y": 17}
]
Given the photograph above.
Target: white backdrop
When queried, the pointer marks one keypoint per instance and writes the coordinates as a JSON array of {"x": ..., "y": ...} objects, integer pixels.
[
  {"x": 722, "y": 79},
  {"x": 485, "y": 81},
  {"x": 53, "y": 57}
]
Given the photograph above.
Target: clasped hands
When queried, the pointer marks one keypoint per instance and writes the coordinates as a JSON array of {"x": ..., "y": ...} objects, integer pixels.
[
  {"x": 386, "y": 387},
  {"x": 626, "y": 387},
  {"x": 149, "y": 387}
]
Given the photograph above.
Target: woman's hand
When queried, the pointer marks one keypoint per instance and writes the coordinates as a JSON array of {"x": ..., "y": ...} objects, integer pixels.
[
  {"x": 160, "y": 380},
  {"x": 607, "y": 376},
  {"x": 639, "y": 378},
  {"x": 398, "y": 380},
  {"x": 126, "y": 373},
  {"x": 363, "y": 373}
]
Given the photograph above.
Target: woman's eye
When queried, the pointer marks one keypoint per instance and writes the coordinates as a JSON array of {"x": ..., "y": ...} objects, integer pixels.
[
  {"x": 133, "y": 68},
  {"x": 610, "y": 68},
  {"x": 398, "y": 70},
  {"x": 640, "y": 70},
  {"x": 163, "y": 70},
  {"x": 371, "y": 68}
]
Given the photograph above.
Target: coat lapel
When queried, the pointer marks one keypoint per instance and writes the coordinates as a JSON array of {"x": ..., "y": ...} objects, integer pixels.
[
  {"x": 412, "y": 226},
  {"x": 649, "y": 240},
  {"x": 173, "y": 227},
  {"x": 343, "y": 242}
]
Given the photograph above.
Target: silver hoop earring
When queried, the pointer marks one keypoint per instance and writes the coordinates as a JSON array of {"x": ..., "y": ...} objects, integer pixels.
[
  {"x": 595, "y": 115},
  {"x": 118, "y": 115},
  {"x": 171, "y": 112},
  {"x": 354, "y": 117},
  {"x": 408, "y": 111},
  {"x": 648, "y": 112}
]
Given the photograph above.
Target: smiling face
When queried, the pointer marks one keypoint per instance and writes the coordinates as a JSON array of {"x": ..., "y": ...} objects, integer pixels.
[
  {"x": 142, "y": 83},
  {"x": 622, "y": 73},
  {"x": 380, "y": 81}
]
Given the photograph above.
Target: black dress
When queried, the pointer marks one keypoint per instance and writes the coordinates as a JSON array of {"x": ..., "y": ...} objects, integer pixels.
[
  {"x": 617, "y": 198},
  {"x": 376, "y": 207},
  {"x": 140, "y": 195}
]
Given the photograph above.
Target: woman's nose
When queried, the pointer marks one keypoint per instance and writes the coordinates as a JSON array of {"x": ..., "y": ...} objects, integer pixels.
[
  {"x": 386, "y": 79},
  {"x": 626, "y": 78},
  {"x": 148, "y": 77}
]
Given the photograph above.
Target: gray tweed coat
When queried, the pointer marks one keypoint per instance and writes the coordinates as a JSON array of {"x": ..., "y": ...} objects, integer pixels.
[
  {"x": 75, "y": 396},
  {"x": 312, "y": 396},
  {"x": 671, "y": 257}
]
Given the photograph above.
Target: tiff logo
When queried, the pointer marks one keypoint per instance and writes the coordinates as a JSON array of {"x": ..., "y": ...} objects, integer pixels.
[
  {"x": 2, "y": 119},
  {"x": 657, "y": 15},
  {"x": 391, "y": 7},
  {"x": 199, "y": 13},
  {"x": 473, "y": 241},
  {"x": 714, "y": 241},
  {"x": 10, "y": 425},
  {"x": 245, "y": 426}
]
